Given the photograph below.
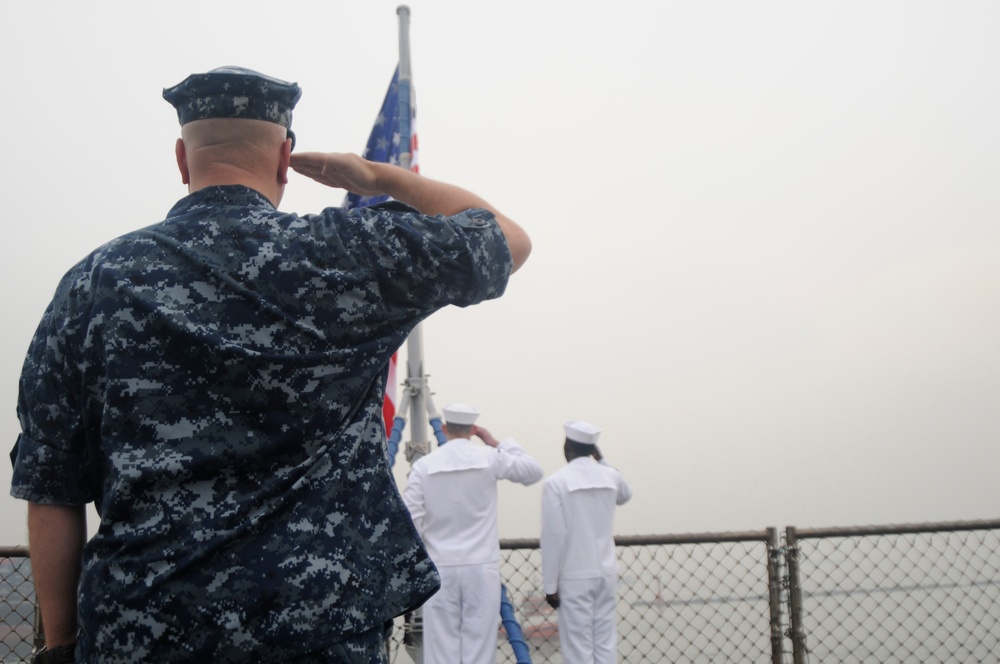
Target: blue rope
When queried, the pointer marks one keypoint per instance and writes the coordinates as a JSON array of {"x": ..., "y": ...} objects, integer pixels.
[
  {"x": 397, "y": 434},
  {"x": 438, "y": 431},
  {"x": 513, "y": 629}
]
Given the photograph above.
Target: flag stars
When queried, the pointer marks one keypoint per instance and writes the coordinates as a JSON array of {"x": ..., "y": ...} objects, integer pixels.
[{"x": 386, "y": 142}]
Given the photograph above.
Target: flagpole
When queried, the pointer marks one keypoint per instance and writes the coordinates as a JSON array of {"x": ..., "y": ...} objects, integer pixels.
[
  {"x": 405, "y": 94},
  {"x": 416, "y": 381}
]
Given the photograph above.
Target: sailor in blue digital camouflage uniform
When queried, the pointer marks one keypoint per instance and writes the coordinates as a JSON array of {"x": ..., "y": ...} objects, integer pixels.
[{"x": 214, "y": 383}]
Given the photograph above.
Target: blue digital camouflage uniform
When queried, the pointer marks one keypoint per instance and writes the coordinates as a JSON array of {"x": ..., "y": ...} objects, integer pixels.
[
  {"x": 215, "y": 383},
  {"x": 235, "y": 92}
]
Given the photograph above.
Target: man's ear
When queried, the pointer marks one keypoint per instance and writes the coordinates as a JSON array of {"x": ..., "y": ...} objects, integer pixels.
[
  {"x": 286, "y": 156},
  {"x": 180, "y": 151}
]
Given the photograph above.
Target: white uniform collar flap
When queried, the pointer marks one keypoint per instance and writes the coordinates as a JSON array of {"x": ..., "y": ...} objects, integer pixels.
[
  {"x": 455, "y": 455},
  {"x": 588, "y": 474}
]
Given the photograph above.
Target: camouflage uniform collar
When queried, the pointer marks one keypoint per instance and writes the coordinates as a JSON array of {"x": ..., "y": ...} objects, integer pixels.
[{"x": 221, "y": 195}]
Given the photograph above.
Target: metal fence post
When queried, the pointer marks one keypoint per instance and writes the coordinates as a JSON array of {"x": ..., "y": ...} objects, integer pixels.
[
  {"x": 794, "y": 597},
  {"x": 774, "y": 594}
]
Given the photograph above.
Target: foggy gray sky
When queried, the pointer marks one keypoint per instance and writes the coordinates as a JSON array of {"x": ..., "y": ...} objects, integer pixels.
[{"x": 767, "y": 249}]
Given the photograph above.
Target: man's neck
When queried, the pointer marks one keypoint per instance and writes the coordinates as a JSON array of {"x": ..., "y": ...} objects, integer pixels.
[{"x": 269, "y": 190}]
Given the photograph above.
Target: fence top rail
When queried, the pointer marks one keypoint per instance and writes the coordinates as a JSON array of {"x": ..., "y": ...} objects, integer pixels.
[
  {"x": 793, "y": 533},
  {"x": 648, "y": 540}
]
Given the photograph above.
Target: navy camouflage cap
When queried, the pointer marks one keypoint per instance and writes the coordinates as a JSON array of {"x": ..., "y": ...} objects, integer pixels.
[{"x": 234, "y": 92}]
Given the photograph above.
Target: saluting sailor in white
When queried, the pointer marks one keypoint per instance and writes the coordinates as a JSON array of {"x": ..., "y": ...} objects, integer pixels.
[
  {"x": 452, "y": 497},
  {"x": 579, "y": 565}
]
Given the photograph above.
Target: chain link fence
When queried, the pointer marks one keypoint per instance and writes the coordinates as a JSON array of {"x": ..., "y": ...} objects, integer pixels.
[
  {"x": 894, "y": 594},
  {"x": 694, "y": 598},
  {"x": 17, "y": 605},
  {"x": 926, "y": 593},
  {"x": 685, "y": 598},
  {"x": 887, "y": 594}
]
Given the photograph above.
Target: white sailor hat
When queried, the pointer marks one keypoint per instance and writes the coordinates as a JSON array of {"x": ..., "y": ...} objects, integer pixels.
[
  {"x": 582, "y": 432},
  {"x": 459, "y": 413}
]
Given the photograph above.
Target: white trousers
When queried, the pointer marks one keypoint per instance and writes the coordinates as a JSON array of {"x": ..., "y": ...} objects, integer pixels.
[
  {"x": 587, "y": 616},
  {"x": 462, "y": 619}
]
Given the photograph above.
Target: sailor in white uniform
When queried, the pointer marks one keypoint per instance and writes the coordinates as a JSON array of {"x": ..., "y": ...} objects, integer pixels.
[
  {"x": 579, "y": 565},
  {"x": 452, "y": 496}
]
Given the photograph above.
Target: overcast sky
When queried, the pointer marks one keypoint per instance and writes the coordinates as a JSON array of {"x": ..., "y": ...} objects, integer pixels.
[{"x": 766, "y": 241}]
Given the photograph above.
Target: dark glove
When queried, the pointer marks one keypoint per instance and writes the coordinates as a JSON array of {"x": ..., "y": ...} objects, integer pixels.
[
  {"x": 57, "y": 655},
  {"x": 553, "y": 600}
]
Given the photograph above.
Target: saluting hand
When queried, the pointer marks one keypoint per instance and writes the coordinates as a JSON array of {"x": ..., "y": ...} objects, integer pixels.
[
  {"x": 483, "y": 434},
  {"x": 339, "y": 169}
]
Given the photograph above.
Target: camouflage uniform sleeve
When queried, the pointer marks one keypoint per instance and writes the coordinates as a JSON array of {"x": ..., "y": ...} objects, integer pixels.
[
  {"x": 50, "y": 456},
  {"x": 427, "y": 262}
]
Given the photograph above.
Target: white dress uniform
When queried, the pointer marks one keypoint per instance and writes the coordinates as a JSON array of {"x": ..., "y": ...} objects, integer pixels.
[
  {"x": 578, "y": 553},
  {"x": 452, "y": 498}
]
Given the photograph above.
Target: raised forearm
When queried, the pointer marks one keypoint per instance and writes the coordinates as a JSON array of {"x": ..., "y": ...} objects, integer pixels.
[
  {"x": 427, "y": 195},
  {"x": 436, "y": 197},
  {"x": 56, "y": 534},
  {"x": 368, "y": 178}
]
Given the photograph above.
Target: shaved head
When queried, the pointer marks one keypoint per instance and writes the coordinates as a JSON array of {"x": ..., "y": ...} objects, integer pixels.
[
  {"x": 234, "y": 151},
  {"x": 226, "y": 136}
]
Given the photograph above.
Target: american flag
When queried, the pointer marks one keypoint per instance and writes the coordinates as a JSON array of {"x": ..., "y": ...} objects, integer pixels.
[{"x": 386, "y": 144}]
